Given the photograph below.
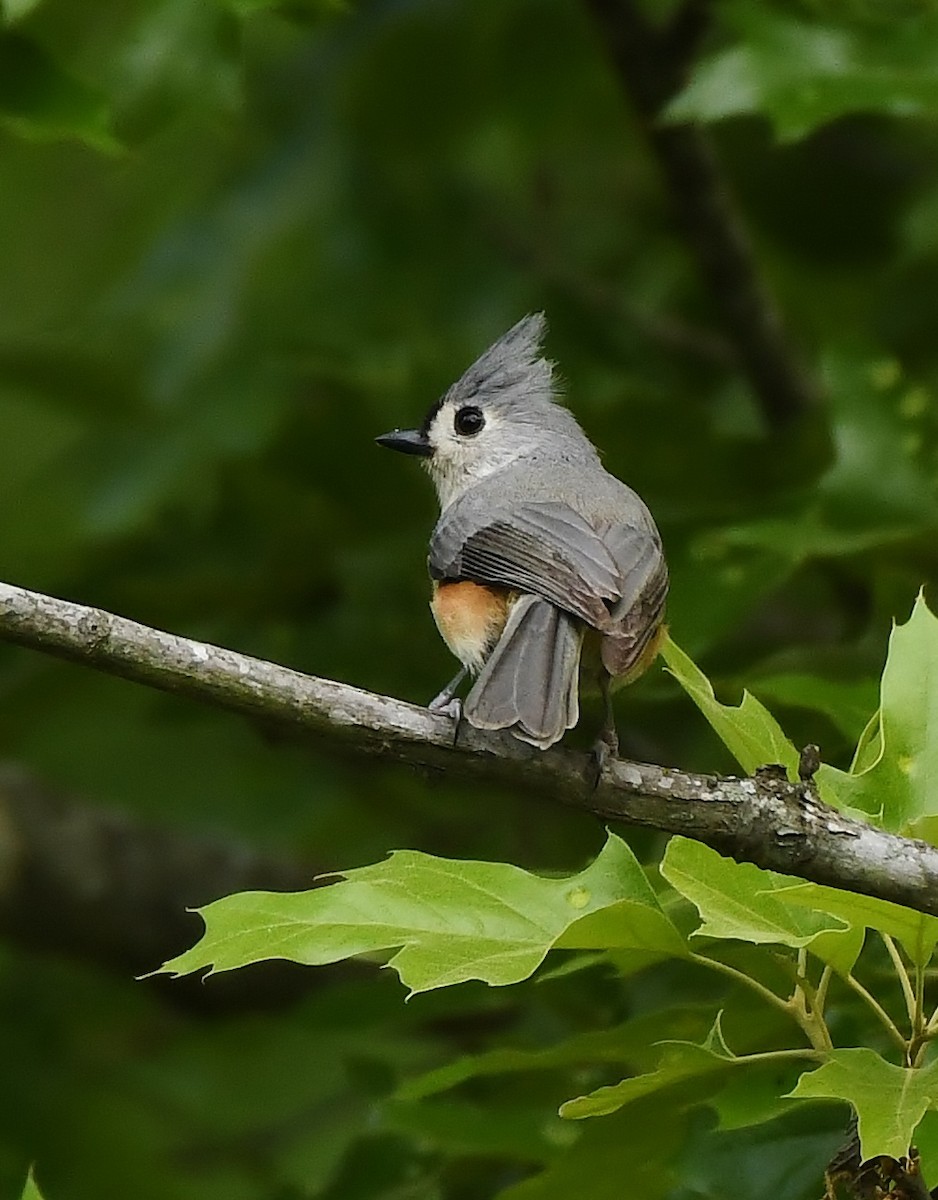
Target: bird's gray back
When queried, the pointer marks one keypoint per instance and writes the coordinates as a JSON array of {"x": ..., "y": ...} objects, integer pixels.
[{"x": 579, "y": 482}]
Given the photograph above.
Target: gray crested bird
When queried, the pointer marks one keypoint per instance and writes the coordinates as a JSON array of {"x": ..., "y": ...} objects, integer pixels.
[{"x": 547, "y": 571}]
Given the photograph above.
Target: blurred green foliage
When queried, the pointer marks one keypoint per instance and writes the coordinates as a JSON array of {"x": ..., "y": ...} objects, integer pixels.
[{"x": 237, "y": 240}]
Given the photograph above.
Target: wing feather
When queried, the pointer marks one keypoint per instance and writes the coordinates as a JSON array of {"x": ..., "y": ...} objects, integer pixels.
[
  {"x": 544, "y": 548},
  {"x": 612, "y": 578}
]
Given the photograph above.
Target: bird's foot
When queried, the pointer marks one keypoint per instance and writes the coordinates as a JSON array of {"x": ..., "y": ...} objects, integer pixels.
[
  {"x": 448, "y": 707},
  {"x": 451, "y": 708},
  {"x": 443, "y": 703}
]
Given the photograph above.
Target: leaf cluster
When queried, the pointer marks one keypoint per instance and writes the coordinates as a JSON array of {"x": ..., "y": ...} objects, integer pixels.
[{"x": 450, "y": 921}]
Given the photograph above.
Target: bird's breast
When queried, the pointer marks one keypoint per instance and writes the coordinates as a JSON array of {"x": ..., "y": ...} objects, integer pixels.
[{"x": 470, "y": 618}]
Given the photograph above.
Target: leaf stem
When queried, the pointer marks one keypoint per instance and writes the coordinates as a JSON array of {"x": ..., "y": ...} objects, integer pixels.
[
  {"x": 820, "y": 995},
  {"x": 928, "y": 1034},
  {"x": 781, "y": 1055},
  {"x": 816, "y": 1032},
  {"x": 806, "y": 1002},
  {"x": 904, "y": 980},
  {"x": 803, "y": 995},
  {"x": 919, "y": 1000},
  {"x": 886, "y": 1020},
  {"x": 741, "y": 977},
  {"x": 921, "y": 1035}
]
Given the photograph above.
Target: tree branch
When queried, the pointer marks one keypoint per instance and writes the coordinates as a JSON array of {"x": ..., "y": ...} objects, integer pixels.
[
  {"x": 652, "y": 63},
  {"x": 766, "y": 820}
]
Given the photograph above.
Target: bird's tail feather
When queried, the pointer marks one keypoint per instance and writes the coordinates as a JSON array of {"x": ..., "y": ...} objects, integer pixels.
[{"x": 529, "y": 682}]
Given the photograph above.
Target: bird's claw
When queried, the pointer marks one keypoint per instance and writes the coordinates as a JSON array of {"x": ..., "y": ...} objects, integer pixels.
[
  {"x": 451, "y": 708},
  {"x": 446, "y": 706}
]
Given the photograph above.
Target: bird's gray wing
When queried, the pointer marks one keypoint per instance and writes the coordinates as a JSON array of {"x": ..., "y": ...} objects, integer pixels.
[
  {"x": 644, "y": 589},
  {"x": 544, "y": 548},
  {"x": 643, "y": 575}
]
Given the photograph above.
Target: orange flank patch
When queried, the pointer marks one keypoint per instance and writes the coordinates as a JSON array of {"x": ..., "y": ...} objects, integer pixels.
[{"x": 470, "y": 619}]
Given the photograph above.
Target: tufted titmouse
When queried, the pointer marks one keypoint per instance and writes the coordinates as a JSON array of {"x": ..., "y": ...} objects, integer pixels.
[{"x": 545, "y": 568}]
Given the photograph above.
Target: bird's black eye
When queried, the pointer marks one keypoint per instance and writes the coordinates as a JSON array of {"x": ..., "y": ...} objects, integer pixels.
[{"x": 468, "y": 420}]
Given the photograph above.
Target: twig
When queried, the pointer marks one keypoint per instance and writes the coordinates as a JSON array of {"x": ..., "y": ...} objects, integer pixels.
[
  {"x": 651, "y": 62},
  {"x": 775, "y": 824}
]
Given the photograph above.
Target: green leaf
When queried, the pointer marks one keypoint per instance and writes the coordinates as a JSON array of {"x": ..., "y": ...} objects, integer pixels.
[
  {"x": 752, "y": 1097},
  {"x": 879, "y": 488},
  {"x": 749, "y": 730},
  {"x": 801, "y": 75},
  {"x": 30, "y": 1190},
  {"x": 917, "y": 931},
  {"x": 12, "y": 11},
  {"x": 869, "y": 745},
  {"x": 815, "y": 532},
  {"x": 631, "y": 1042},
  {"x": 895, "y": 777},
  {"x": 455, "y": 920},
  {"x": 633, "y": 924},
  {"x": 41, "y": 101},
  {"x": 739, "y": 900},
  {"x": 630, "y": 1153},
  {"x": 926, "y": 1143},
  {"x": 847, "y": 703},
  {"x": 509, "y": 1130},
  {"x": 680, "y": 1063},
  {"x": 889, "y": 1100}
]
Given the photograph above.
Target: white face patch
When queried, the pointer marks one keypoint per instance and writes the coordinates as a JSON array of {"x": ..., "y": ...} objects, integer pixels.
[{"x": 459, "y": 460}]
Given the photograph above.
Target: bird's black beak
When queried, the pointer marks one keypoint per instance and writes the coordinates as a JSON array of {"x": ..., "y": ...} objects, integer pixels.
[{"x": 408, "y": 441}]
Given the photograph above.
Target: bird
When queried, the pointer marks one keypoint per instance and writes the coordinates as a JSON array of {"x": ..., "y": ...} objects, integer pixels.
[{"x": 547, "y": 572}]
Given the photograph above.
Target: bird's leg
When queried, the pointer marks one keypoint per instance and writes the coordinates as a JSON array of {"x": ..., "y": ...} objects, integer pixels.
[
  {"x": 446, "y": 701},
  {"x": 606, "y": 745},
  {"x": 608, "y": 733},
  {"x": 448, "y": 704}
]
